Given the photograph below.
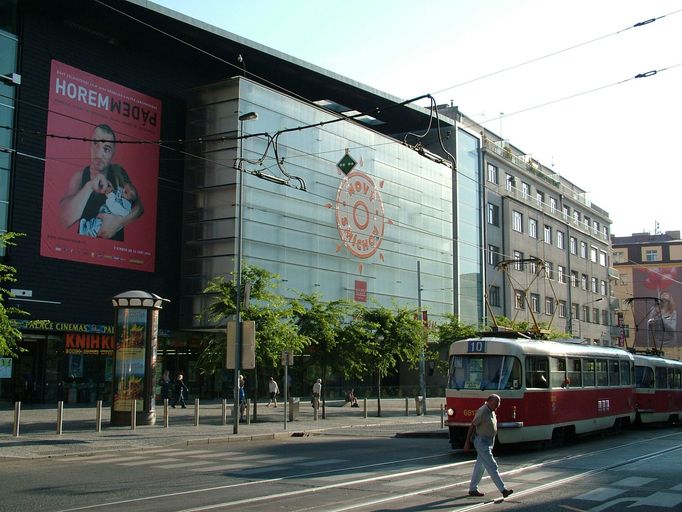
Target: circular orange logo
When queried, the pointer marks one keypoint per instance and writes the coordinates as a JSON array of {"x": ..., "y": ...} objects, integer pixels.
[{"x": 359, "y": 214}]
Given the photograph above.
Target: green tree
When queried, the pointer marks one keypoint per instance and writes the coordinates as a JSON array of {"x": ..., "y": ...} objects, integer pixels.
[
  {"x": 272, "y": 314},
  {"x": 398, "y": 336},
  {"x": 10, "y": 336},
  {"x": 446, "y": 334},
  {"x": 324, "y": 324}
]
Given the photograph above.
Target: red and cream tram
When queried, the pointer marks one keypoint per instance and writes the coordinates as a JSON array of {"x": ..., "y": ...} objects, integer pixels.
[
  {"x": 549, "y": 389},
  {"x": 658, "y": 389}
]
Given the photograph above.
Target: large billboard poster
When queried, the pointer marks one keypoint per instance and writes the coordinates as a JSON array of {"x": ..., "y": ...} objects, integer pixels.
[
  {"x": 657, "y": 325},
  {"x": 100, "y": 190}
]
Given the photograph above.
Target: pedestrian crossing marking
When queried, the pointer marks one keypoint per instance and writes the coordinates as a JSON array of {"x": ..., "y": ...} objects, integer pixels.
[
  {"x": 222, "y": 467},
  {"x": 601, "y": 494},
  {"x": 633, "y": 481},
  {"x": 114, "y": 460},
  {"x": 147, "y": 462},
  {"x": 184, "y": 464}
]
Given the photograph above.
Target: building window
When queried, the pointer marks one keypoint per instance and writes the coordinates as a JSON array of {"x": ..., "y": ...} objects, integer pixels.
[
  {"x": 595, "y": 315},
  {"x": 560, "y": 240},
  {"x": 517, "y": 221},
  {"x": 593, "y": 254},
  {"x": 586, "y": 314},
  {"x": 493, "y": 255},
  {"x": 492, "y": 174},
  {"x": 533, "y": 266},
  {"x": 602, "y": 258},
  {"x": 583, "y": 281},
  {"x": 576, "y": 311},
  {"x": 540, "y": 197},
  {"x": 605, "y": 232},
  {"x": 494, "y": 298},
  {"x": 535, "y": 302},
  {"x": 602, "y": 287},
  {"x": 573, "y": 245},
  {"x": 567, "y": 212},
  {"x": 519, "y": 299},
  {"x": 493, "y": 214},
  {"x": 594, "y": 282},
  {"x": 583, "y": 249},
  {"x": 552, "y": 205},
  {"x": 604, "y": 317},
  {"x": 548, "y": 234},
  {"x": 532, "y": 228},
  {"x": 576, "y": 215},
  {"x": 518, "y": 256},
  {"x": 509, "y": 182},
  {"x": 549, "y": 267},
  {"x": 562, "y": 309},
  {"x": 549, "y": 306},
  {"x": 595, "y": 227},
  {"x": 525, "y": 190},
  {"x": 561, "y": 274},
  {"x": 574, "y": 278},
  {"x": 651, "y": 255}
]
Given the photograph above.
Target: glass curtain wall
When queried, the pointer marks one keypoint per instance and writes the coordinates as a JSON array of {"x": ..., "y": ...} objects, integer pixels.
[
  {"x": 469, "y": 242},
  {"x": 355, "y": 233}
]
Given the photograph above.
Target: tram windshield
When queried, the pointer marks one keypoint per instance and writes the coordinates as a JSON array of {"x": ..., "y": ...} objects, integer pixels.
[{"x": 485, "y": 372}]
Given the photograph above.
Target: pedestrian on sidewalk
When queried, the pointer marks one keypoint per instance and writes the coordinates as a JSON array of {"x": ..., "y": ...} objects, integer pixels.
[
  {"x": 242, "y": 398},
  {"x": 273, "y": 388},
  {"x": 317, "y": 391},
  {"x": 180, "y": 389},
  {"x": 483, "y": 429}
]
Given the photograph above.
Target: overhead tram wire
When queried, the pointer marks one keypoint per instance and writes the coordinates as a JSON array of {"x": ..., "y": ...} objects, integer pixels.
[{"x": 557, "y": 52}]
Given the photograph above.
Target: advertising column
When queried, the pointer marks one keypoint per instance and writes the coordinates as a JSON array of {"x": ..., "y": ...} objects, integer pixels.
[{"x": 136, "y": 333}]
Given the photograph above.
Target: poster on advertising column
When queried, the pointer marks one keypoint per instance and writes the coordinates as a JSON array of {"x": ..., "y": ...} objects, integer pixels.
[
  {"x": 100, "y": 190},
  {"x": 129, "y": 379}
]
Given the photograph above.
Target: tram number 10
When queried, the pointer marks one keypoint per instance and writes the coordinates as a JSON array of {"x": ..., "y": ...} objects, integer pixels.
[{"x": 476, "y": 347}]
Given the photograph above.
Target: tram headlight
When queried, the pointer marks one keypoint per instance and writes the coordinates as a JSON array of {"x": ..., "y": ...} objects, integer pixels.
[{"x": 451, "y": 411}]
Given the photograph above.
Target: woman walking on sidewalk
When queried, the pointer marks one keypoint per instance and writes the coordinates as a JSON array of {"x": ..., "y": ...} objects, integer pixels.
[{"x": 180, "y": 389}]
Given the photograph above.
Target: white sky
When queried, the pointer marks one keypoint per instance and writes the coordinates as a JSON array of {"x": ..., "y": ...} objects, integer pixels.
[{"x": 619, "y": 143}]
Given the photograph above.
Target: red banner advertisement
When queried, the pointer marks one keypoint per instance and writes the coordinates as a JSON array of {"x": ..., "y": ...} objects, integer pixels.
[
  {"x": 655, "y": 313},
  {"x": 100, "y": 193}
]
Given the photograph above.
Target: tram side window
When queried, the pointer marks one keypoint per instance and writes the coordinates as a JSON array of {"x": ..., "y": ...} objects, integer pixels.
[
  {"x": 588, "y": 372},
  {"x": 602, "y": 367},
  {"x": 644, "y": 377},
  {"x": 625, "y": 373},
  {"x": 614, "y": 373},
  {"x": 557, "y": 372},
  {"x": 671, "y": 378},
  {"x": 678, "y": 379},
  {"x": 575, "y": 378},
  {"x": 537, "y": 372},
  {"x": 661, "y": 378}
]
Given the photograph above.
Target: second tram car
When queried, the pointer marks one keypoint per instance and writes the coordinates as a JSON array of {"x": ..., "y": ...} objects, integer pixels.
[
  {"x": 549, "y": 389},
  {"x": 658, "y": 389}
]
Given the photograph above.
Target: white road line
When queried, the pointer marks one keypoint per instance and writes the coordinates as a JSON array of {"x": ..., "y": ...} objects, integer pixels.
[
  {"x": 223, "y": 467},
  {"x": 321, "y": 462},
  {"x": 115, "y": 460}
]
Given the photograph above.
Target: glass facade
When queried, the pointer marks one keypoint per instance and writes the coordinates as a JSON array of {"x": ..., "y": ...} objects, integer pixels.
[
  {"x": 470, "y": 231},
  {"x": 356, "y": 234},
  {"x": 8, "y": 66}
]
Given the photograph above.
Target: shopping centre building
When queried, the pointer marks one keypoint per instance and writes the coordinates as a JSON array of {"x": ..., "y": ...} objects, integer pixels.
[{"x": 347, "y": 191}]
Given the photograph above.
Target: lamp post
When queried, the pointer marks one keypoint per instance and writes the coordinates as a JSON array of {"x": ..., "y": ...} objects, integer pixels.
[
  {"x": 422, "y": 364},
  {"x": 249, "y": 116}
]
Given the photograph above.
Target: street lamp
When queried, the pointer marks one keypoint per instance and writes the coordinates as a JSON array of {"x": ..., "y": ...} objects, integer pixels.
[{"x": 249, "y": 116}]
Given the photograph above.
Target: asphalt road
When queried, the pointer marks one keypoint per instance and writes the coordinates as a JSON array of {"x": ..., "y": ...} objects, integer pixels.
[{"x": 341, "y": 471}]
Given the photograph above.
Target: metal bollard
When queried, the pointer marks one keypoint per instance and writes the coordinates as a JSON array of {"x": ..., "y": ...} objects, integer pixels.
[
  {"x": 17, "y": 419},
  {"x": 133, "y": 414},
  {"x": 248, "y": 411},
  {"x": 165, "y": 413},
  {"x": 324, "y": 410},
  {"x": 364, "y": 405},
  {"x": 407, "y": 406},
  {"x": 442, "y": 416},
  {"x": 98, "y": 416},
  {"x": 60, "y": 417},
  {"x": 224, "y": 412},
  {"x": 196, "y": 412}
]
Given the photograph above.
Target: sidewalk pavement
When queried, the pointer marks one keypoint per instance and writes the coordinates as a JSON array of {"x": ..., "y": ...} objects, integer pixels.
[{"x": 37, "y": 433}]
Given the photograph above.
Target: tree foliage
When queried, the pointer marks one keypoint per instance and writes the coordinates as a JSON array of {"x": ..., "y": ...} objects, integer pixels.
[
  {"x": 10, "y": 336},
  {"x": 275, "y": 330}
]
